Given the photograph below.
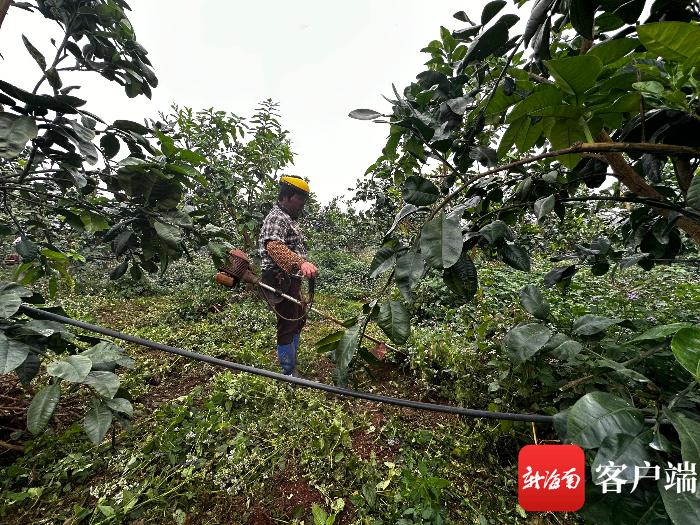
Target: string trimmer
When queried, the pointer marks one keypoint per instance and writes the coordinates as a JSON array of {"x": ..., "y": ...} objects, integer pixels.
[{"x": 240, "y": 270}]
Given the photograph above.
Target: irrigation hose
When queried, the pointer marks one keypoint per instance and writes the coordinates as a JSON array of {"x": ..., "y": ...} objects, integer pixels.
[{"x": 332, "y": 389}]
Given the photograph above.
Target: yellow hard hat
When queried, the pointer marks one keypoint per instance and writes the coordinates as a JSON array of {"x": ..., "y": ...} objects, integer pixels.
[{"x": 295, "y": 181}]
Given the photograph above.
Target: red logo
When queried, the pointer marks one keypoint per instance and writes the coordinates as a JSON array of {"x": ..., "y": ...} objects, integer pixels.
[{"x": 551, "y": 478}]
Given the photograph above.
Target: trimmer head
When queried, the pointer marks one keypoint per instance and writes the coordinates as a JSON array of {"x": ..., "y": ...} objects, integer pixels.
[{"x": 238, "y": 269}]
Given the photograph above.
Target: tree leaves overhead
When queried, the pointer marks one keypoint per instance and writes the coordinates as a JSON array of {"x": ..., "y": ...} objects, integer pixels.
[
  {"x": 15, "y": 132},
  {"x": 486, "y": 44},
  {"x": 577, "y": 74},
  {"x": 364, "y": 114},
  {"x": 515, "y": 256},
  {"x": 582, "y": 13},
  {"x": 538, "y": 15},
  {"x": 677, "y": 41},
  {"x": 491, "y": 9},
  {"x": 383, "y": 260}
]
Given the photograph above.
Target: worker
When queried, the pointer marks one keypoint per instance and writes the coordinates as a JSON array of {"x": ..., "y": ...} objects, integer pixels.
[{"x": 284, "y": 264}]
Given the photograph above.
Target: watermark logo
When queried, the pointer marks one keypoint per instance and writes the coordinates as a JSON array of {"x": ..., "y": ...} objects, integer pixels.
[{"x": 551, "y": 478}]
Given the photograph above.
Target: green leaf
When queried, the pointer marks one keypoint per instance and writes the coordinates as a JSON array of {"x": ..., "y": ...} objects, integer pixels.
[
  {"x": 419, "y": 191},
  {"x": 74, "y": 368},
  {"x": 105, "y": 383},
  {"x": 346, "y": 350},
  {"x": 110, "y": 145},
  {"x": 659, "y": 333},
  {"x": 532, "y": 300},
  {"x": 623, "y": 449},
  {"x": 490, "y": 10},
  {"x": 651, "y": 86},
  {"x": 525, "y": 341},
  {"x": 543, "y": 96},
  {"x": 364, "y": 114},
  {"x": 544, "y": 206},
  {"x": 515, "y": 256},
  {"x": 107, "y": 356},
  {"x": 683, "y": 508},
  {"x": 685, "y": 345},
  {"x": 12, "y": 353},
  {"x": 9, "y": 304},
  {"x": 410, "y": 268},
  {"x": 511, "y": 135},
  {"x": 611, "y": 51},
  {"x": 128, "y": 125},
  {"x": 97, "y": 421},
  {"x": 689, "y": 431},
  {"x": 486, "y": 44},
  {"x": 598, "y": 415},
  {"x": 93, "y": 222},
  {"x": 441, "y": 241},
  {"x": 576, "y": 74},
  {"x": 394, "y": 321},
  {"x": 42, "y": 407},
  {"x": 28, "y": 369},
  {"x": 168, "y": 233},
  {"x": 582, "y": 13},
  {"x": 693, "y": 198},
  {"x": 384, "y": 259},
  {"x": 121, "y": 405},
  {"x": 36, "y": 54},
  {"x": 562, "y": 347},
  {"x": 320, "y": 516},
  {"x": 27, "y": 249},
  {"x": 329, "y": 343},
  {"x": 15, "y": 132},
  {"x": 407, "y": 210},
  {"x": 495, "y": 231},
  {"x": 461, "y": 278},
  {"x": 592, "y": 324},
  {"x": 119, "y": 270},
  {"x": 676, "y": 41},
  {"x": 564, "y": 133}
]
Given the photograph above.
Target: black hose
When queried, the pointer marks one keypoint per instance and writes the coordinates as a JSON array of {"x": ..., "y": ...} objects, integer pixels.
[{"x": 407, "y": 403}]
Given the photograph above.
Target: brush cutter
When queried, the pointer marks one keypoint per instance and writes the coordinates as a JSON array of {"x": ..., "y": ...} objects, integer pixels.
[{"x": 239, "y": 270}]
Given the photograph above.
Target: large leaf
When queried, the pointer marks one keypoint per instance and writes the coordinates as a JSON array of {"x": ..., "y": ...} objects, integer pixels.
[
  {"x": 329, "y": 343},
  {"x": 544, "y": 96},
  {"x": 683, "y": 508},
  {"x": 28, "y": 369},
  {"x": 462, "y": 278},
  {"x": 15, "y": 132},
  {"x": 593, "y": 324},
  {"x": 658, "y": 333},
  {"x": 538, "y": 15},
  {"x": 410, "y": 268},
  {"x": 406, "y": 211},
  {"x": 74, "y": 368},
  {"x": 564, "y": 133},
  {"x": 598, "y": 415},
  {"x": 686, "y": 347},
  {"x": 582, "y": 13},
  {"x": 394, "y": 321},
  {"x": 544, "y": 206},
  {"x": 121, "y": 405},
  {"x": 346, "y": 350},
  {"x": 532, "y": 300},
  {"x": 9, "y": 303},
  {"x": 689, "y": 431},
  {"x": 441, "y": 241},
  {"x": 41, "y": 408},
  {"x": 622, "y": 449},
  {"x": 107, "y": 356},
  {"x": 525, "y": 341},
  {"x": 612, "y": 50},
  {"x": 419, "y": 191},
  {"x": 515, "y": 256},
  {"x": 495, "y": 231},
  {"x": 168, "y": 233},
  {"x": 105, "y": 383},
  {"x": 364, "y": 114},
  {"x": 97, "y": 421},
  {"x": 384, "y": 259},
  {"x": 677, "y": 41},
  {"x": 12, "y": 354},
  {"x": 490, "y": 10},
  {"x": 693, "y": 197},
  {"x": 486, "y": 44}
]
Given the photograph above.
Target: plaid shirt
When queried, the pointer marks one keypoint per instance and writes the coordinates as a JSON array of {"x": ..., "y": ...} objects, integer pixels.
[{"x": 279, "y": 226}]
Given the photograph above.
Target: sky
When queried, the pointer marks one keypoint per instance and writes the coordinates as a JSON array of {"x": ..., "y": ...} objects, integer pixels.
[{"x": 318, "y": 59}]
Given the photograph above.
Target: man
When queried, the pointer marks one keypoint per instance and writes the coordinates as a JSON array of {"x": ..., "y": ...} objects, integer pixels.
[{"x": 283, "y": 257}]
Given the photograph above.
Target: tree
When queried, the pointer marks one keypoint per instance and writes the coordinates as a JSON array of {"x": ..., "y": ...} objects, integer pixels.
[
  {"x": 584, "y": 107},
  {"x": 65, "y": 174},
  {"x": 244, "y": 158}
]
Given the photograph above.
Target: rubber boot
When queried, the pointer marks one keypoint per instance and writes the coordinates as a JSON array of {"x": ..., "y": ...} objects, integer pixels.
[{"x": 287, "y": 356}]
